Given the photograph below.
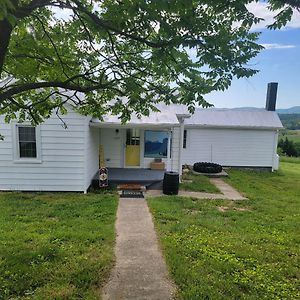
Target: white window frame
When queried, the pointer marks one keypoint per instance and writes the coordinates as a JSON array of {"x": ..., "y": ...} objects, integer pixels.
[{"x": 16, "y": 145}]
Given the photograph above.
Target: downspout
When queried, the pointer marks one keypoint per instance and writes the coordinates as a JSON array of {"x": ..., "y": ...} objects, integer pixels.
[
  {"x": 86, "y": 132},
  {"x": 181, "y": 121},
  {"x": 275, "y": 160}
]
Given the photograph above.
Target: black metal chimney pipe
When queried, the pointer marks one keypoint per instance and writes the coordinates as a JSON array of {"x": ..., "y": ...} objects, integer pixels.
[{"x": 271, "y": 96}]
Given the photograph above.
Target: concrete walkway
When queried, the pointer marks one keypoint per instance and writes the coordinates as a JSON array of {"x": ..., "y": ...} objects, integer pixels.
[
  {"x": 140, "y": 271},
  {"x": 227, "y": 192}
]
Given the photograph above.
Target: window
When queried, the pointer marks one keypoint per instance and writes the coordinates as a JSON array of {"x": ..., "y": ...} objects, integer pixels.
[
  {"x": 184, "y": 139},
  {"x": 156, "y": 144},
  {"x": 132, "y": 136},
  {"x": 27, "y": 142}
]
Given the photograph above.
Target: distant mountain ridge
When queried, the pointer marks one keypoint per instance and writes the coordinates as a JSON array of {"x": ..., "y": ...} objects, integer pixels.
[{"x": 291, "y": 110}]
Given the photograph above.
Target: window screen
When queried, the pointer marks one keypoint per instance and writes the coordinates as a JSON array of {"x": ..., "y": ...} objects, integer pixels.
[{"x": 27, "y": 142}]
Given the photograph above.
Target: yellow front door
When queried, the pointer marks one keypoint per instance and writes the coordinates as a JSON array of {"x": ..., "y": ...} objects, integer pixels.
[{"x": 132, "y": 153}]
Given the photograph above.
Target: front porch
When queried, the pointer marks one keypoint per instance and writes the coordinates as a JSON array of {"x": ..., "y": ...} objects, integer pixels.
[{"x": 146, "y": 177}]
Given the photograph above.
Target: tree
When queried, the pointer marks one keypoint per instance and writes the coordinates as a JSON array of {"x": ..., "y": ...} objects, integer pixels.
[
  {"x": 288, "y": 147},
  {"x": 174, "y": 51}
]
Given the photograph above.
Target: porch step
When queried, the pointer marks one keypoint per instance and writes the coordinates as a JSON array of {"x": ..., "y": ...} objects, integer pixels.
[
  {"x": 131, "y": 190},
  {"x": 131, "y": 186}
]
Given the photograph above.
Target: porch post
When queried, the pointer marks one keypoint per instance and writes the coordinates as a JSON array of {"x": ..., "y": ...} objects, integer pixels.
[
  {"x": 181, "y": 121},
  {"x": 169, "y": 167}
]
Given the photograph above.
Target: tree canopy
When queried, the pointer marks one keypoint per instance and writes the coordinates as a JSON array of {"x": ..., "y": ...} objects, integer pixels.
[{"x": 175, "y": 51}]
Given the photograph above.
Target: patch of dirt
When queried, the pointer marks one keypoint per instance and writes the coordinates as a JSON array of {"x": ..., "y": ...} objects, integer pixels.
[
  {"x": 226, "y": 208},
  {"x": 187, "y": 181},
  {"x": 192, "y": 211},
  {"x": 242, "y": 208},
  {"x": 222, "y": 208}
]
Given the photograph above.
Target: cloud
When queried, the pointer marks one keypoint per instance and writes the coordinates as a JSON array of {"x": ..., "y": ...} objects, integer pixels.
[
  {"x": 277, "y": 46},
  {"x": 261, "y": 10}
]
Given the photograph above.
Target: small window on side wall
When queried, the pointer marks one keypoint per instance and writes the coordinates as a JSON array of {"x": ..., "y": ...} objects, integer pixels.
[
  {"x": 184, "y": 139},
  {"x": 27, "y": 142}
]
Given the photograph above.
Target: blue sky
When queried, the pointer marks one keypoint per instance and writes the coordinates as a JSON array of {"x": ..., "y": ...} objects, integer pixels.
[{"x": 279, "y": 62}]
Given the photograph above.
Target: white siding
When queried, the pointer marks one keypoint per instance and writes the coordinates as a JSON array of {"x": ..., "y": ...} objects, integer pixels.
[
  {"x": 92, "y": 154},
  {"x": 112, "y": 142},
  {"x": 114, "y": 148},
  {"x": 62, "y": 165},
  {"x": 230, "y": 147},
  {"x": 175, "y": 149}
]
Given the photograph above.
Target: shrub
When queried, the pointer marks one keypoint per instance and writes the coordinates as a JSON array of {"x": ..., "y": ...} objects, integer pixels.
[
  {"x": 288, "y": 147},
  {"x": 206, "y": 167}
]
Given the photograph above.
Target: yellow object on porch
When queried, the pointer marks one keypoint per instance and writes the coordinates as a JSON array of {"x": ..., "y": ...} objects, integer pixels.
[
  {"x": 132, "y": 155},
  {"x": 101, "y": 157}
]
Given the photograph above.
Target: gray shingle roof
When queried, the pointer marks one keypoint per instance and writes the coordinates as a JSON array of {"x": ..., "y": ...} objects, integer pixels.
[{"x": 229, "y": 118}]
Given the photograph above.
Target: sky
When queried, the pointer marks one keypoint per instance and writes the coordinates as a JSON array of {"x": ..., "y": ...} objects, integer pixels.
[{"x": 278, "y": 62}]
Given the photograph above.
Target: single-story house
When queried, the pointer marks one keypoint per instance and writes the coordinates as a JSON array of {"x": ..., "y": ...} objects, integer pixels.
[{"x": 50, "y": 157}]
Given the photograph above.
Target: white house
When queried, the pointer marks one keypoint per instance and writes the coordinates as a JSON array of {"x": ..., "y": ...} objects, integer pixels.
[{"x": 52, "y": 158}]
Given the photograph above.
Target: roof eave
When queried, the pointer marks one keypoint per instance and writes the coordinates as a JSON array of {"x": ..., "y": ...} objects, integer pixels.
[
  {"x": 132, "y": 125},
  {"x": 233, "y": 127}
]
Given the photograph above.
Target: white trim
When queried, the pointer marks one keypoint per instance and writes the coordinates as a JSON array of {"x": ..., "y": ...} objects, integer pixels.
[
  {"x": 16, "y": 148},
  {"x": 180, "y": 146},
  {"x": 275, "y": 159},
  {"x": 86, "y": 132},
  {"x": 155, "y": 126},
  {"x": 169, "y": 167}
]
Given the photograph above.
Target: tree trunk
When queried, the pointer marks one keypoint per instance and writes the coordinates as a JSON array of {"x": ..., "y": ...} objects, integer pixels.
[{"x": 5, "y": 33}]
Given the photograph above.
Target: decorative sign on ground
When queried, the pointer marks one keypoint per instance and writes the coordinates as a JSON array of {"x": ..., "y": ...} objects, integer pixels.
[{"x": 103, "y": 177}]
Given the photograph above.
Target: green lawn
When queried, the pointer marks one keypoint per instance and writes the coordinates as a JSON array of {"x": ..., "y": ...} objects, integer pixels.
[
  {"x": 55, "y": 245},
  {"x": 199, "y": 183},
  {"x": 235, "y": 250}
]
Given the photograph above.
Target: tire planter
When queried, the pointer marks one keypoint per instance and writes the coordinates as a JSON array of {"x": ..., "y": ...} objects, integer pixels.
[
  {"x": 206, "y": 167},
  {"x": 171, "y": 183}
]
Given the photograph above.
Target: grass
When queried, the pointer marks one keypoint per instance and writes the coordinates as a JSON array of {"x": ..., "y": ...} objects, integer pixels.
[
  {"x": 199, "y": 183},
  {"x": 235, "y": 250},
  {"x": 292, "y": 135},
  {"x": 293, "y": 160},
  {"x": 55, "y": 245}
]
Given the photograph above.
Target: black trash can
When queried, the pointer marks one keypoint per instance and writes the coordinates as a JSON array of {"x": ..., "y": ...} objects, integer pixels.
[{"x": 171, "y": 183}]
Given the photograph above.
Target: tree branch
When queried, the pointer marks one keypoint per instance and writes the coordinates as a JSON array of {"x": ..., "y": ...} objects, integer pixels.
[
  {"x": 27, "y": 10},
  {"x": 5, "y": 34},
  {"x": 25, "y": 87},
  {"x": 53, "y": 45}
]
